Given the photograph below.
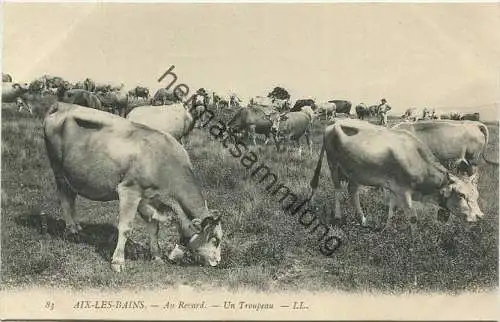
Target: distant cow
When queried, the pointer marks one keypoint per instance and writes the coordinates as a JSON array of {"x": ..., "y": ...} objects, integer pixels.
[
  {"x": 292, "y": 126},
  {"x": 453, "y": 143},
  {"x": 11, "y": 91},
  {"x": 102, "y": 157},
  {"x": 251, "y": 121},
  {"x": 362, "y": 111},
  {"x": 471, "y": 117},
  {"x": 173, "y": 119},
  {"x": 342, "y": 106},
  {"x": 328, "y": 109},
  {"x": 82, "y": 97},
  {"x": 139, "y": 91},
  {"x": 6, "y": 78},
  {"x": 116, "y": 102},
  {"x": 89, "y": 85},
  {"x": 451, "y": 115},
  {"x": 299, "y": 104},
  {"x": 278, "y": 104},
  {"x": 396, "y": 160},
  {"x": 163, "y": 97}
]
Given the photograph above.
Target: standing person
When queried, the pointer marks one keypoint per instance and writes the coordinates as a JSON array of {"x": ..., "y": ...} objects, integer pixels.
[{"x": 382, "y": 110}]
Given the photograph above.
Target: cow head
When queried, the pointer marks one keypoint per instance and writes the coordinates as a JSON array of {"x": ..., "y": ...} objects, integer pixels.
[
  {"x": 275, "y": 119},
  {"x": 205, "y": 244},
  {"x": 459, "y": 196}
]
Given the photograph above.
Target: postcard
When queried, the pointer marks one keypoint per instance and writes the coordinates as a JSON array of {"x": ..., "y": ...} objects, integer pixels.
[{"x": 249, "y": 161}]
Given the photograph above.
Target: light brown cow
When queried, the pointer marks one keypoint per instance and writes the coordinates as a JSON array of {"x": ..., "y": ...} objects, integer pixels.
[
  {"x": 173, "y": 119},
  {"x": 396, "y": 160},
  {"x": 103, "y": 157}
]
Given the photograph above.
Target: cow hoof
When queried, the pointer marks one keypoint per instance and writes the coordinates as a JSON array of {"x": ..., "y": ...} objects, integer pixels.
[
  {"x": 118, "y": 267},
  {"x": 72, "y": 235},
  {"x": 338, "y": 222}
]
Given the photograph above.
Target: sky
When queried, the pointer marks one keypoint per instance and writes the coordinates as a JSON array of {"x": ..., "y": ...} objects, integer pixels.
[{"x": 414, "y": 55}]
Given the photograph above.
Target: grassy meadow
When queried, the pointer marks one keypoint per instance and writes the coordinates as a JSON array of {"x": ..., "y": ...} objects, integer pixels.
[{"x": 264, "y": 248}]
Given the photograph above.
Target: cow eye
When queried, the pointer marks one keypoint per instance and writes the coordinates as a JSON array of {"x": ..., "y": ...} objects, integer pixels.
[
  {"x": 215, "y": 241},
  {"x": 461, "y": 195}
]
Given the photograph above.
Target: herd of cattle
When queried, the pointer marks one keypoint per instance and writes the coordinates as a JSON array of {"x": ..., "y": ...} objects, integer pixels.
[{"x": 138, "y": 157}]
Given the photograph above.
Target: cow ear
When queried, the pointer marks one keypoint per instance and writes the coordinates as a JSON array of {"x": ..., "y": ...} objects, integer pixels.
[
  {"x": 197, "y": 225},
  {"x": 463, "y": 167},
  {"x": 446, "y": 191},
  {"x": 450, "y": 177}
]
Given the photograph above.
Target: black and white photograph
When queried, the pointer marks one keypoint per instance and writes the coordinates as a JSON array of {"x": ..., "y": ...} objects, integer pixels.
[{"x": 203, "y": 160}]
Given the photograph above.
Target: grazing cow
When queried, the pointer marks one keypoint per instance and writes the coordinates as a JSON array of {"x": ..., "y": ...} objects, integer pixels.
[
  {"x": 163, "y": 97},
  {"x": 253, "y": 120},
  {"x": 116, "y": 87},
  {"x": 226, "y": 100},
  {"x": 174, "y": 119},
  {"x": 221, "y": 101},
  {"x": 453, "y": 143},
  {"x": 117, "y": 102},
  {"x": 371, "y": 155},
  {"x": 54, "y": 81},
  {"x": 140, "y": 91},
  {"x": 37, "y": 86},
  {"x": 89, "y": 85},
  {"x": 82, "y": 97},
  {"x": 451, "y": 115},
  {"x": 277, "y": 104},
  {"x": 342, "y": 106},
  {"x": 6, "y": 78},
  {"x": 327, "y": 109},
  {"x": 471, "y": 117},
  {"x": 79, "y": 85},
  {"x": 410, "y": 115},
  {"x": 11, "y": 91},
  {"x": 362, "y": 111},
  {"x": 63, "y": 88},
  {"x": 299, "y": 104},
  {"x": 102, "y": 88},
  {"x": 103, "y": 157},
  {"x": 373, "y": 110},
  {"x": 292, "y": 126}
]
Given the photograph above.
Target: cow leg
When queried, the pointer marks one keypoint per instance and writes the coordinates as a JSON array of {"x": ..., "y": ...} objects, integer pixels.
[
  {"x": 67, "y": 200},
  {"x": 297, "y": 142},
  {"x": 129, "y": 196},
  {"x": 276, "y": 141},
  {"x": 147, "y": 212},
  {"x": 412, "y": 215},
  {"x": 338, "y": 191},
  {"x": 267, "y": 139},
  {"x": 354, "y": 192},
  {"x": 308, "y": 140},
  {"x": 392, "y": 207},
  {"x": 252, "y": 132},
  {"x": 153, "y": 228}
]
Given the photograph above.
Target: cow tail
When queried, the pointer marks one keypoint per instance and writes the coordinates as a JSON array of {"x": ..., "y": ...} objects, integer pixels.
[
  {"x": 484, "y": 129},
  {"x": 315, "y": 180}
]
